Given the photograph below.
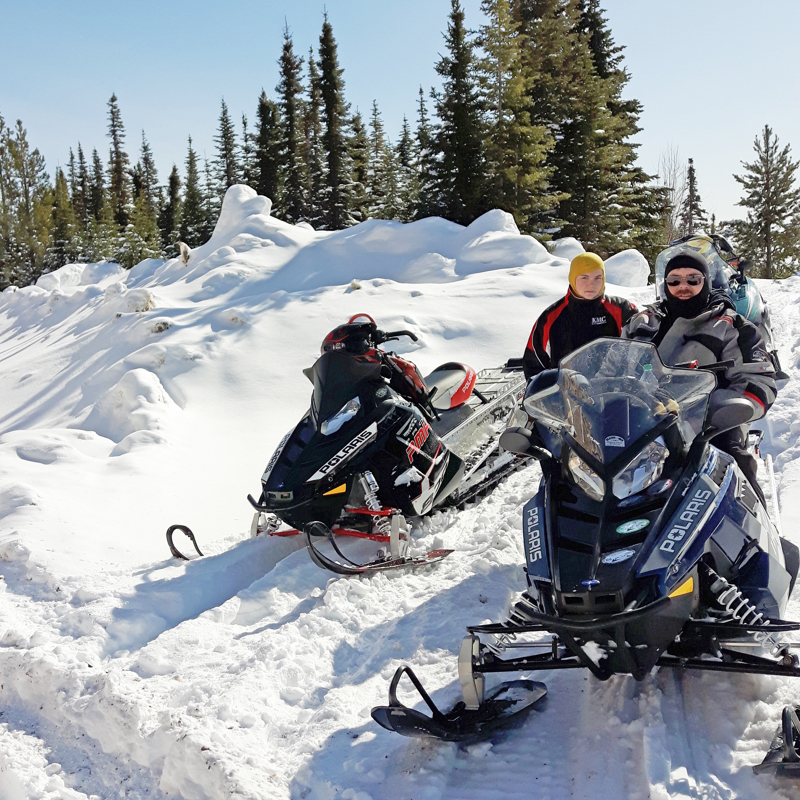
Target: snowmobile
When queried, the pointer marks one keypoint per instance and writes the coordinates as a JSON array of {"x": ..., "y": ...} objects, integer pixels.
[
  {"x": 380, "y": 444},
  {"x": 727, "y": 271},
  {"x": 645, "y": 546}
]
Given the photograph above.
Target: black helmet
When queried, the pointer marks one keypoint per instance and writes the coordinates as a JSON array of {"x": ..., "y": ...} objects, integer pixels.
[{"x": 356, "y": 336}]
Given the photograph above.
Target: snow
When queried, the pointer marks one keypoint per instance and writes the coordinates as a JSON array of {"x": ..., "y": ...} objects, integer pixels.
[
  {"x": 135, "y": 400},
  {"x": 628, "y": 268}
]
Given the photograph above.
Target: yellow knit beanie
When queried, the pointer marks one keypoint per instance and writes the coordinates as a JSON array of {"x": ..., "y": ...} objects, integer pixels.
[{"x": 583, "y": 265}]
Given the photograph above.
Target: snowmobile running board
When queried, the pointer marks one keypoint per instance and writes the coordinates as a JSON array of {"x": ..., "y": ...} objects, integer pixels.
[{"x": 508, "y": 701}]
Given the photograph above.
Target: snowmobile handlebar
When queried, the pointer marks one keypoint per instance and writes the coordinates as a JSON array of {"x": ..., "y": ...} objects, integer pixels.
[{"x": 385, "y": 336}]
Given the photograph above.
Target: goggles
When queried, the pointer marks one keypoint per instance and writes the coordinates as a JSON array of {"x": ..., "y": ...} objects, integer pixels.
[{"x": 691, "y": 280}]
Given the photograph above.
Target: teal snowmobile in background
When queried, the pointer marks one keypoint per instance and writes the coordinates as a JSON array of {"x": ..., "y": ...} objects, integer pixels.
[{"x": 727, "y": 271}]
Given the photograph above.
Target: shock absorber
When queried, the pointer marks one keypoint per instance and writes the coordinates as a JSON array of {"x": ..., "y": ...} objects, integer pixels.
[
  {"x": 731, "y": 598},
  {"x": 370, "y": 486}
]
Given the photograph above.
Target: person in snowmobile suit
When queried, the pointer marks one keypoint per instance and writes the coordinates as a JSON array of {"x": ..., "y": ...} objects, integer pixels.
[
  {"x": 357, "y": 337},
  {"x": 586, "y": 313},
  {"x": 696, "y": 323}
]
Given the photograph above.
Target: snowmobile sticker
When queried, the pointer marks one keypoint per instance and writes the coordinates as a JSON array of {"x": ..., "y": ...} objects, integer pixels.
[
  {"x": 618, "y": 556},
  {"x": 533, "y": 532},
  {"x": 615, "y": 441},
  {"x": 633, "y": 526},
  {"x": 420, "y": 437},
  {"x": 685, "y": 520},
  {"x": 275, "y": 456},
  {"x": 352, "y": 447}
]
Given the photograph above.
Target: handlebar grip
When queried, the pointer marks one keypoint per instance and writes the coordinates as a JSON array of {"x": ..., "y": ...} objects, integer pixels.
[{"x": 394, "y": 334}]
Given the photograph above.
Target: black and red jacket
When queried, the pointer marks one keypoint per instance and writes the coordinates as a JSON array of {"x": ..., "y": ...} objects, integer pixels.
[{"x": 570, "y": 323}]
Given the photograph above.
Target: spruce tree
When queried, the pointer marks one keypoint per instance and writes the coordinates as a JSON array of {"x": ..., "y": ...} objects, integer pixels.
[
  {"x": 314, "y": 153},
  {"x": 267, "y": 143},
  {"x": 98, "y": 187},
  {"x": 407, "y": 174},
  {"x": 518, "y": 178},
  {"x": 193, "y": 222},
  {"x": 118, "y": 165},
  {"x": 248, "y": 156},
  {"x": 425, "y": 161},
  {"x": 693, "y": 217},
  {"x": 336, "y": 201},
  {"x": 64, "y": 244},
  {"x": 148, "y": 179},
  {"x": 169, "y": 220},
  {"x": 212, "y": 200},
  {"x": 378, "y": 167},
  {"x": 81, "y": 200},
  {"x": 770, "y": 236},
  {"x": 290, "y": 92},
  {"x": 458, "y": 144},
  {"x": 228, "y": 172},
  {"x": 359, "y": 147},
  {"x": 26, "y": 202}
]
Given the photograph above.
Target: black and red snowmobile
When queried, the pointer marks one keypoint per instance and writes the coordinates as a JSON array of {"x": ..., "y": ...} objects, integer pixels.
[
  {"x": 380, "y": 444},
  {"x": 645, "y": 547}
]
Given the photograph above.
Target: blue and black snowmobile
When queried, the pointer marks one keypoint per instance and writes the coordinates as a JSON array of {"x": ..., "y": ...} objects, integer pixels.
[{"x": 645, "y": 546}]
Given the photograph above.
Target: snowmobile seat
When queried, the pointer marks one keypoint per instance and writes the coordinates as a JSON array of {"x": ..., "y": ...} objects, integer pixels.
[{"x": 453, "y": 382}]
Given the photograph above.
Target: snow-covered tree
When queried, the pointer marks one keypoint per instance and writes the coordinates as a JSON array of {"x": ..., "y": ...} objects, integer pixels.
[
  {"x": 119, "y": 182},
  {"x": 193, "y": 219},
  {"x": 770, "y": 236},
  {"x": 693, "y": 217},
  {"x": 228, "y": 169}
]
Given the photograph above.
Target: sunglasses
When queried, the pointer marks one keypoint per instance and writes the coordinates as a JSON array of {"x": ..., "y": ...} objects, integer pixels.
[{"x": 691, "y": 280}]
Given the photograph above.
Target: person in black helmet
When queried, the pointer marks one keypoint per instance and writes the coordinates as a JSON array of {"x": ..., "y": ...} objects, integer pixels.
[{"x": 694, "y": 323}]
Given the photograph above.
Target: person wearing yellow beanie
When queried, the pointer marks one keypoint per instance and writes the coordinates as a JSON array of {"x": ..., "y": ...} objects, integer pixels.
[{"x": 586, "y": 313}]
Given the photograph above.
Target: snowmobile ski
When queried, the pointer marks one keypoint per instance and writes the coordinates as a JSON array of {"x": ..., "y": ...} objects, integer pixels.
[
  {"x": 783, "y": 757},
  {"x": 183, "y": 529},
  {"x": 344, "y": 566},
  {"x": 506, "y": 702}
]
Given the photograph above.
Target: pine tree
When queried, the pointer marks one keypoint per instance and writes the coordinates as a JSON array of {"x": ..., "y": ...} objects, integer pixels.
[
  {"x": 212, "y": 200},
  {"x": 518, "y": 179},
  {"x": 290, "y": 92},
  {"x": 26, "y": 202},
  {"x": 693, "y": 216},
  {"x": 228, "y": 172},
  {"x": 359, "y": 148},
  {"x": 314, "y": 154},
  {"x": 460, "y": 165},
  {"x": 98, "y": 188},
  {"x": 142, "y": 238},
  {"x": 267, "y": 150},
  {"x": 118, "y": 165},
  {"x": 169, "y": 220},
  {"x": 336, "y": 201},
  {"x": 64, "y": 244},
  {"x": 193, "y": 219},
  {"x": 771, "y": 234},
  {"x": 407, "y": 174},
  {"x": 378, "y": 167},
  {"x": 81, "y": 203},
  {"x": 425, "y": 160},
  {"x": 248, "y": 156},
  {"x": 148, "y": 180}
]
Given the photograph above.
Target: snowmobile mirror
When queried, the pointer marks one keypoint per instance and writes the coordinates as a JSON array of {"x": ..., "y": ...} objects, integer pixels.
[
  {"x": 520, "y": 441},
  {"x": 744, "y": 265}
]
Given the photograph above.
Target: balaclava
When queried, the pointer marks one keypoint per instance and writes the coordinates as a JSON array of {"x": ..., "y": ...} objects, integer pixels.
[
  {"x": 583, "y": 265},
  {"x": 694, "y": 305}
]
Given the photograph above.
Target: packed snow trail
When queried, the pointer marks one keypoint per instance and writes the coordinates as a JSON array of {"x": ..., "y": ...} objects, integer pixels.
[{"x": 136, "y": 400}]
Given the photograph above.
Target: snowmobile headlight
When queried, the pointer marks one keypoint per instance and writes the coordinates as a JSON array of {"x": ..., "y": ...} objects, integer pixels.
[
  {"x": 643, "y": 470},
  {"x": 344, "y": 414},
  {"x": 586, "y": 478}
]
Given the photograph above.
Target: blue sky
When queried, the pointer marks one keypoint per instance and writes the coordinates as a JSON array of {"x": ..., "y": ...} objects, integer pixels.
[{"x": 709, "y": 73}]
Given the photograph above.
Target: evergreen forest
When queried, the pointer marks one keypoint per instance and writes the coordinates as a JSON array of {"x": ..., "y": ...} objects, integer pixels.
[{"x": 532, "y": 117}]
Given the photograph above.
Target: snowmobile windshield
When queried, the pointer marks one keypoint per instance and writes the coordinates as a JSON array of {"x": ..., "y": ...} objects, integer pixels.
[
  {"x": 338, "y": 377},
  {"x": 719, "y": 270},
  {"x": 611, "y": 392}
]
